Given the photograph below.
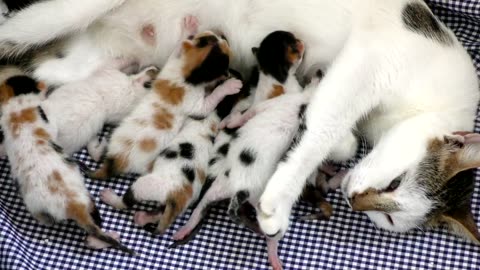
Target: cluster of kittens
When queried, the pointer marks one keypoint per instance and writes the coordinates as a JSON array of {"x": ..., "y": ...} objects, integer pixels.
[
  {"x": 196, "y": 135},
  {"x": 170, "y": 131}
]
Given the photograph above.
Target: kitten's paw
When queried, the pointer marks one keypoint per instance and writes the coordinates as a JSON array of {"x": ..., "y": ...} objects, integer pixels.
[
  {"x": 109, "y": 197},
  {"x": 232, "y": 118},
  {"x": 232, "y": 86},
  {"x": 146, "y": 76},
  {"x": 190, "y": 25}
]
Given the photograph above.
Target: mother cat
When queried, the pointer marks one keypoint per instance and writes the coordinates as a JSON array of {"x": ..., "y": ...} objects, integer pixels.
[{"x": 392, "y": 68}]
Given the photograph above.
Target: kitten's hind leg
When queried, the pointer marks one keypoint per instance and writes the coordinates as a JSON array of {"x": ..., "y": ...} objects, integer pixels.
[
  {"x": 109, "y": 197},
  {"x": 219, "y": 190}
]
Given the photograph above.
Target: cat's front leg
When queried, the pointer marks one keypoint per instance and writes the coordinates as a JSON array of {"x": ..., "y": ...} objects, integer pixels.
[
  {"x": 399, "y": 150},
  {"x": 209, "y": 103},
  {"x": 347, "y": 93}
]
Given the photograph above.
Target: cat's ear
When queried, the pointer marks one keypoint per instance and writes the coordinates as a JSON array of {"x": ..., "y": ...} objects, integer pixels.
[
  {"x": 6, "y": 93},
  {"x": 255, "y": 51},
  {"x": 461, "y": 222},
  {"x": 187, "y": 45},
  {"x": 465, "y": 149}
]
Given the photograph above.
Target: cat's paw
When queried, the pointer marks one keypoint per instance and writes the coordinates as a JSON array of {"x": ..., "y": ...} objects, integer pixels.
[
  {"x": 232, "y": 86},
  {"x": 190, "y": 25},
  {"x": 232, "y": 118}
]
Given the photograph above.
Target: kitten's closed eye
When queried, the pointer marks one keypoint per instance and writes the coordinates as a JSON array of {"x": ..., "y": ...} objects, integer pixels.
[{"x": 147, "y": 85}]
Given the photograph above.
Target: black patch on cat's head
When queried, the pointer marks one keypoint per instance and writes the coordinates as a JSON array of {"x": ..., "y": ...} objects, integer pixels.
[
  {"x": 169, "y": 154},
  {"x": 247, "y": 157},
  {"x": 227, "y": 173},
  {"x": 189, "y": 173},
  {"x": 277, "y": 53},
  {"x": 418, "y": 18},
  {"x": 223, "y": 150},
  {"x": 213, "y": 66},
  {"x": 233, "y": 132},
  {"x": 212, "y": 161},
  {"x": 187, "y": 150},
  {"x": 23, "y": 85}
]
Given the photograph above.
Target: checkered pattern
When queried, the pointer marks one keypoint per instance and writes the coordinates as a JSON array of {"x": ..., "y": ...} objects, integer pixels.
[{"x": 347, "y": 241}]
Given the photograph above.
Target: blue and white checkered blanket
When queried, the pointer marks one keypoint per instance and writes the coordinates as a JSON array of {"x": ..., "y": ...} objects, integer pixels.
[{"x": 347, "y": 241}]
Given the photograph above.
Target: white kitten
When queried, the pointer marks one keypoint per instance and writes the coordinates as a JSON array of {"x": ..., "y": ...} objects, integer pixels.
[{"x": 78, "y": 110}]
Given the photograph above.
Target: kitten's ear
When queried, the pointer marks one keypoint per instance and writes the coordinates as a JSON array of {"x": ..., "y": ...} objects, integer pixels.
[
  {"x": 466, "y": 150},
  {"x": 187, "y": 45},
  {"x": 6, "y": 93},
  {"x": 255, "y": 51},
  {"x": 461, "y": 222}
]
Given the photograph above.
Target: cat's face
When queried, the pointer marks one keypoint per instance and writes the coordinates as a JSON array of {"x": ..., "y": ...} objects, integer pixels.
[
  {"x": 206, "y": 58},
  {"x": 436, "y": 190},
  {"x": 19, "y": 85},
  {"x": 279, "y": 54}
]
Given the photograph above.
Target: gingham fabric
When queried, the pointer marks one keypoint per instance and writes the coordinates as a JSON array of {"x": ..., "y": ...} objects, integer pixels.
[{"x": 347, "y": 241}]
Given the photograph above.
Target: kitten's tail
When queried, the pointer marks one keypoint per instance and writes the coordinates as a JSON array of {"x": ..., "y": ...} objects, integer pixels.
[
  {"x": 84, "y": 219},
  {"x": 42, "y": 22}
]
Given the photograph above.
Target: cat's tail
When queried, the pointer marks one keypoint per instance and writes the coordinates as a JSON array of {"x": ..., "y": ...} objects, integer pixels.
[
  {"x": 88, "y": 221},
  {"x": 46, "y": 21}
]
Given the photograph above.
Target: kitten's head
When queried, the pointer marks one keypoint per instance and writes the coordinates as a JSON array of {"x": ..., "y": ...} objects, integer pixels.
[
  {"x": 206, "y": 58},
  {"x": 279, "y": 55},
  {"x": 19, "y": 85},
  {"x": 437, "y": 190}
]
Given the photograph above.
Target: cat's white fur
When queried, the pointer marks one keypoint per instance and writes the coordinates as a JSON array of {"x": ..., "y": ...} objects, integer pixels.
[
  {"x": 407, "y": 86},
  {"x": 78, "y": 110}
]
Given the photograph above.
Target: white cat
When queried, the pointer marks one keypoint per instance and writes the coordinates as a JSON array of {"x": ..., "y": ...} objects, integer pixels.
[{"x": 391, "y": 64}]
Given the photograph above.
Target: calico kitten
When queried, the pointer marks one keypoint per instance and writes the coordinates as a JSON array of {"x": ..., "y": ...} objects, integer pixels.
[{"x": 52, "y": 187}]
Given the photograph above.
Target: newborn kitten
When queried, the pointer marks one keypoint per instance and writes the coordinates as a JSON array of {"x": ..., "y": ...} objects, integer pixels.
[
  {"x": 52, "y": 187},
  {"x": 78, "y": 110}
]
